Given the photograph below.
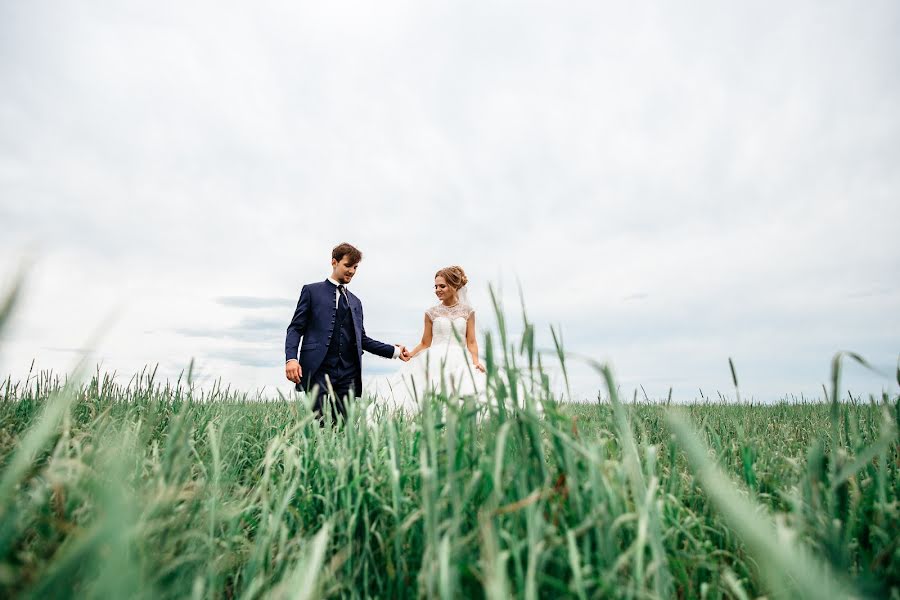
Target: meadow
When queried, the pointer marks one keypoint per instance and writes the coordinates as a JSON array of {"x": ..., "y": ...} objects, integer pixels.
[{"x": 158, "y": 489}]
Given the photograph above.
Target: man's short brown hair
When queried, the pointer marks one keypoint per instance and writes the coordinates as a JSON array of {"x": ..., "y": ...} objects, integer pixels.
[{"x": 345, "y": 249}]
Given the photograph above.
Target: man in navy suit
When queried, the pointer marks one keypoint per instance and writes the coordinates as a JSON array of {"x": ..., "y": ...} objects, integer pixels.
[{"x": 329, "y": 319}]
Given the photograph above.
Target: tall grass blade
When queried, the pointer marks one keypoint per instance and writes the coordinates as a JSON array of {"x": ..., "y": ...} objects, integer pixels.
[
  {"x": 790, "y": 569},
  {"x": 639, "y": 489},
  {"x": 11, "y": 299}
]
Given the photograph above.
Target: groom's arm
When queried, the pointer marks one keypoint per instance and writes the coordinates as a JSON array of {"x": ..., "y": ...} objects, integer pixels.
[
  {"x": 297, "y": 327},
  {"x": 374, "y": 346}
]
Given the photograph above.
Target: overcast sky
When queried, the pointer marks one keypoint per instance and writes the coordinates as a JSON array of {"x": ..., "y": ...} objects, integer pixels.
[{"x": 672, "y": 184}]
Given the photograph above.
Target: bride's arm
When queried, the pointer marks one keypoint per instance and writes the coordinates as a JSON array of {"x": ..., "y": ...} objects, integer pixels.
[
  {"x": 426, "y": 339},
  {"x": 472, "y": 342}
]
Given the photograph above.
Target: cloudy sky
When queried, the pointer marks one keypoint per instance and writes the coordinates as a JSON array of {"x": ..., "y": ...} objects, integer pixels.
[{"x": 671, "y": 184}]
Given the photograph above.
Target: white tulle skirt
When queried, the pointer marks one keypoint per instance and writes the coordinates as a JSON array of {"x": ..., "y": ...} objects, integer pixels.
[{"x": 444, "y": 367}]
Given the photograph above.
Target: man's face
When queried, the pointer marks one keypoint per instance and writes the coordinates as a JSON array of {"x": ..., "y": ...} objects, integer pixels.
[{"x": 343, "y": 270}]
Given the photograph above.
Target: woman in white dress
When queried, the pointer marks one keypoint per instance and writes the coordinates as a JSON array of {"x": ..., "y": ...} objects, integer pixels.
[{"x": 446, "y": 359}]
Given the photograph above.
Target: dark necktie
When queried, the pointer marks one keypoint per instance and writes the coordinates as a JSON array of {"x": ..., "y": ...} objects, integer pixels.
[{"x": 343, "y": 292}]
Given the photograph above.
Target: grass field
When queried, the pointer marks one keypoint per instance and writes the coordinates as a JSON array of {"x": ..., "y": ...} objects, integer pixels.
[{"x": 158, "y": 490}]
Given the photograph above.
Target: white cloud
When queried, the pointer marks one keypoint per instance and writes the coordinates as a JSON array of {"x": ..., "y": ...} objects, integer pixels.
[{"x": 671, "y": 185}]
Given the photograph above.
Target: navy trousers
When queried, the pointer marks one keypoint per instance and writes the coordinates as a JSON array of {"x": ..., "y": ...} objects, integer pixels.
[{"x": 337, "y": 405}]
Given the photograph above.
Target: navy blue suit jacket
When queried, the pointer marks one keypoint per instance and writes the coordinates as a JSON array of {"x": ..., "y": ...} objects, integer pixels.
[{"x": 314, "y": 322}]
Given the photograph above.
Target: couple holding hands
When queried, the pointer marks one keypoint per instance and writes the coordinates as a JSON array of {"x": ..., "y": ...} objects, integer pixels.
[{"x": 327, "y": 327}]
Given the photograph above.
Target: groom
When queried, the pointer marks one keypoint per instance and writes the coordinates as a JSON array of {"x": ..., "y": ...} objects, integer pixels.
[{"x": 329, "y": 318}]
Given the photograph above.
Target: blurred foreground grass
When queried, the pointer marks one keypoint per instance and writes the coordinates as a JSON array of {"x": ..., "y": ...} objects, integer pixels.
[
  {"x": 157, "y": 490},
  {"x": 143, "y": 490}
]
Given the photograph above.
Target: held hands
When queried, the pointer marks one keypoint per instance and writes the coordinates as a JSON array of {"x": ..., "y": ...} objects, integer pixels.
[
  {"x": 293, "y": 371},
  {"x": 404, "y": 353}
]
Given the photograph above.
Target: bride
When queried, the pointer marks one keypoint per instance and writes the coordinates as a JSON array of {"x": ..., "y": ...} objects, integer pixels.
[{"x": 446, "y": 360}]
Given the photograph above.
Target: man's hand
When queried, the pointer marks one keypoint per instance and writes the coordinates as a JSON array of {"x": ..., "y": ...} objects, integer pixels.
[
  {"x": 293, "y": 371},
  {"x": 404, "y": 353}
]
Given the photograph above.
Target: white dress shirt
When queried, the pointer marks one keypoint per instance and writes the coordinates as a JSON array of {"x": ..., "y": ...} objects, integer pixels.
[{"x": 337, "y": 291}]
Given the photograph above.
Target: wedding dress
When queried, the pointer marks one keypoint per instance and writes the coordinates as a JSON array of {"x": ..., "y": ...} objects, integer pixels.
[{"x": 446, "y": 366}]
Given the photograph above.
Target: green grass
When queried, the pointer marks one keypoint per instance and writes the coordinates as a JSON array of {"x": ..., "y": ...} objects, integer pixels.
[{"x": 154, "y": 489}]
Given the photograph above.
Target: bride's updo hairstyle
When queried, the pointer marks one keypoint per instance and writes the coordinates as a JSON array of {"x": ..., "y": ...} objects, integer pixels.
[{"x": 454, "y": 276}]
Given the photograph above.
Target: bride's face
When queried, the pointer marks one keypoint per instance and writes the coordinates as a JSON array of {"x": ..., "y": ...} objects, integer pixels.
[{"x": 443, "y": 290}]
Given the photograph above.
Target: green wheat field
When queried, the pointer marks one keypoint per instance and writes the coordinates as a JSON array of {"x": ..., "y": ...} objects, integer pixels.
[{"x": 157, "y": 489}]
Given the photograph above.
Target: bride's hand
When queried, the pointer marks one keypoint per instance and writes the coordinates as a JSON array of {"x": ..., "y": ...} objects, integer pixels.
[
  {"x": 404, "y": 353},
  {"x": 480, "y": 367}
]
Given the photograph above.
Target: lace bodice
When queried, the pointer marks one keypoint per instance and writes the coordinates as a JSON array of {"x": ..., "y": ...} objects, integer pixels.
[
  {"x": 445, "y": 319},
  {"x": 457, "y": 311}
]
